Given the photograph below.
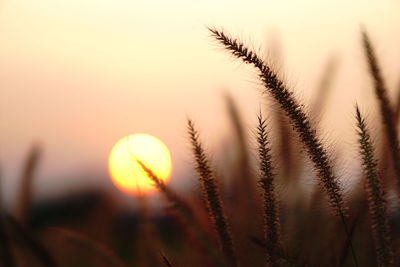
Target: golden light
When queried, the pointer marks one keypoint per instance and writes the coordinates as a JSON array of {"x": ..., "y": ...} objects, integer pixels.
[{"x": 125, "y": 171}]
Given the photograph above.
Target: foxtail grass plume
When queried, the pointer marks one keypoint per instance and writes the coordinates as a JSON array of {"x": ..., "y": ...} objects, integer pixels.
[
  {"x": 266, "y": 181},
  {"x": 295, "y": 112},
  {"x": 212, "y": 197},
  {"x": 375, "y": 195},
  {"x": 387, "y": 113},
  {"x": 185, "y": 215},
  {"x": 298, "y": 119},
  {"x": 179, "y": 203}
]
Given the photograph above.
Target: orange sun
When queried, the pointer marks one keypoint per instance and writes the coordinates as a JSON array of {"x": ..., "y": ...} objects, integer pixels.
[{"x": 125, "y": 171}]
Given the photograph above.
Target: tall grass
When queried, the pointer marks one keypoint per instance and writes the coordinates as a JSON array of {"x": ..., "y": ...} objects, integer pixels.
[
  {"x": 267, "y": 183},
  {"x": 212, "y": 196},
  {"x": 375, "y": 195},
  {"x": 298, "y": 119},
  {"x": 224, "y": 230},
  {"x": 387, "y": 112}
]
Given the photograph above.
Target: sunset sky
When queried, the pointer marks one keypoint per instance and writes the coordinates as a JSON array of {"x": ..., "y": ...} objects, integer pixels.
[{"x": 78, "y": 75}]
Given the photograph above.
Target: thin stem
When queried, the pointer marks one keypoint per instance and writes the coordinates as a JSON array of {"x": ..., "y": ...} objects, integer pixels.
[{"x": 298, "y": 119}]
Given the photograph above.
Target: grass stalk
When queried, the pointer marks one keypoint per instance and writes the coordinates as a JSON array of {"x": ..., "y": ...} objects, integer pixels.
[
  {"x": 266, "y": 181},
  {"x": 40, "y": 251},
  {"x": 245, "y": 176},
  {"x": 212, "y": 197},
  {"x": 99, "y": 249},
  {"x": 387, "y": 113},
  {"x": 165, "y": 260},
  {"x": 324, "y": 87},
  {"x": 24, "y": 196},
  {"x": 375, "y": 195},
  {"x": 205, "y": 248},
  {"x": 298, "y": 119}
]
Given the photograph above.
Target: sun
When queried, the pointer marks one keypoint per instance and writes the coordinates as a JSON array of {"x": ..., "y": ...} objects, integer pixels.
[{"x": 125, "y": 171}]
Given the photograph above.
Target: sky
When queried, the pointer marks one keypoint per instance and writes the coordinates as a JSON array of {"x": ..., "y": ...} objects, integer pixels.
[{"x": 78, "y": 75}]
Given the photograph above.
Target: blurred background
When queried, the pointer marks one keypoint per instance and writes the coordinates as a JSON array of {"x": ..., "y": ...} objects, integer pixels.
[{"x": 78, "y": 75}]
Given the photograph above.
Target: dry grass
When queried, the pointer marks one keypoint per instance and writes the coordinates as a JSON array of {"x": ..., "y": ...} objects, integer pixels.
[
  {"x": 212, "y": 197},
  {"x": 218, "y": 225},
  {"x": 375, "y": 196},
  {"x": 298, "y": 119},
  {"x": 267, "y": 183},
  {"x": 387, "y": 113}
]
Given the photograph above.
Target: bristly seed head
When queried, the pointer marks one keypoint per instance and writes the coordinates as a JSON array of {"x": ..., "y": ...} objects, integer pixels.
[
  {"x": 299, "y": 121},
  {"x": 375, "y": 195},
  {"x": 266, "y": 182},
  {"x": 296, "y": 114},
  {"x": 212, "y": 197},
  {"x": 387, "y": 113}
]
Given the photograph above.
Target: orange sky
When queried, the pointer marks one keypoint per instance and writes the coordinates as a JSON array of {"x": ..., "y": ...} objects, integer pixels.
[{"x": 79, "y": 75}]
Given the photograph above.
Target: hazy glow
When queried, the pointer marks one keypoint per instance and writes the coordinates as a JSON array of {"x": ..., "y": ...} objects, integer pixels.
[
  {"x": 72, "y": 69},
  {"x": 127, "y": 174}
]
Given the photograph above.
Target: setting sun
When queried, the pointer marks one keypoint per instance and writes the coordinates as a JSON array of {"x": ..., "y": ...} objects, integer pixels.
[{"x": 125, "y": 171}]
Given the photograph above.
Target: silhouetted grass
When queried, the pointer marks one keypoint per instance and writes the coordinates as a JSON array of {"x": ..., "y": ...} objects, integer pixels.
[
  {"x": 375, "y": 196},
  {"x": 100, "y": 250},
  {"x": 267, "y": 183},
  {"x": 298, "y": 119},
  {"x": 42, "y": 254},
  {"x": 297, "y": 229},
  {"x": 387, "y": 113},
  {"x": 25, "y": 194},
  {"x": 324, "y": 87},
  {"x": 244, "y": 179},
  {"x": 166, "y": 261},
  {"x": 183, "y": 208},
  {"x": 212, "y": 197}
]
